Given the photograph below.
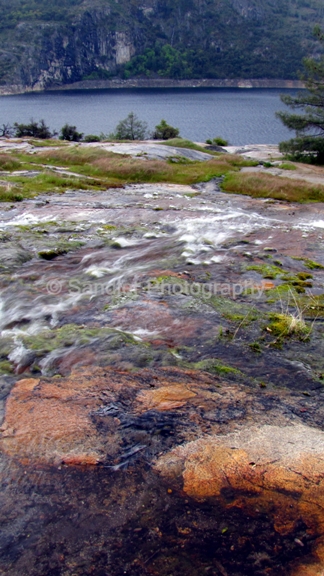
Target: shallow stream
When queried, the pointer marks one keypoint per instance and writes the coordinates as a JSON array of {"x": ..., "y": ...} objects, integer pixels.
[{"x": 151, "y": 285}]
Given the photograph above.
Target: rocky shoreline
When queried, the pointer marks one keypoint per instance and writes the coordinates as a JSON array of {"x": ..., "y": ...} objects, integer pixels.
[{"x": 118, "y": 83}]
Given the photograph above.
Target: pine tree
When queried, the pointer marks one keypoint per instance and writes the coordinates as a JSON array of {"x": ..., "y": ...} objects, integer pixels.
[
  {"x": 131, "y": 128},
  {"x": 308, "y": 145}
]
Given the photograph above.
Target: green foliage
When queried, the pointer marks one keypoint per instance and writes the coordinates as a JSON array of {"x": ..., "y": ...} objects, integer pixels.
[
  {"x": 70, "y": 133},
  {"x": 287, "y": 166},
  {"x": 96, "y": 169},
  {"x": 33, "y": 129},
  {"x": 308, "y": 145},
  {"x": 219, "y": 141},
  {"x": 308, "y": 149},
  {"x": 91, "y": 138},
  {"x": 164, "y": 131},
  {"x": 98, "y": 74},
  {"x": 20, "y": 187},
  {"x": 235, "y": 56},
  {"x": 131, "y": 128}
]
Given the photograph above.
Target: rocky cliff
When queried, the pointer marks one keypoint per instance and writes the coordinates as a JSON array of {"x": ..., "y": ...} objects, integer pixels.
[{"x": 44, "y": 46}]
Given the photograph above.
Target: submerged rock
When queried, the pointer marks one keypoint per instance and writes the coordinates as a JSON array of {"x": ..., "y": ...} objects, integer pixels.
[
  {"x": 81, "y": 419},
  {"x": 274, "y": 469},
  {"x": 183, "y": 432}
]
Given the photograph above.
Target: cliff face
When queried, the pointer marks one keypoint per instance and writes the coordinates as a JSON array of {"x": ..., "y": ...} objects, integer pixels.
[
  {"x": 65, "y": 54},
  {"x": 45, "y": 46}
]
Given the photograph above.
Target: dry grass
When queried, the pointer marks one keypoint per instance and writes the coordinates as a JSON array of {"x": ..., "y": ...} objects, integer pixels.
[
  {"x": 105, "y": 169},
  {"x": 267, "y": 186},
  {"x": 8, "y": 163},
  {"x": 134, "y": 169},
  {"x": 75, "y": 155},
  {"x": 102, "y": 164}
]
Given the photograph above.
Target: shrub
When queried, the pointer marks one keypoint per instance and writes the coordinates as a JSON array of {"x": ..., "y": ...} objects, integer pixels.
[
  {"x": 91, "y": 138},
  {"x": 33, "y": 129},
  {"x": 164, "y": 131},
  {"x": 308, "y": 149},
  {"x": 219, "y": 141},
  {"x": 70, "y": 133}
]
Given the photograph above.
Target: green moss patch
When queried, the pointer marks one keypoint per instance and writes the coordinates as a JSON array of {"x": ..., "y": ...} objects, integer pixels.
[
  {"x": 266, "y": 270},
  {"x": 287, "y": 324},
  {"x": 214, "y": 366}
]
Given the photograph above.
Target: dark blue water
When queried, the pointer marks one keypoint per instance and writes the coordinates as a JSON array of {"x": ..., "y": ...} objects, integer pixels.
[{"x": 242, "y": 116}]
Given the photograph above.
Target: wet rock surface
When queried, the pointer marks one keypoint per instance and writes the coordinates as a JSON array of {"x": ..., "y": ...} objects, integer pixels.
[{"x": 144, "y": 341}]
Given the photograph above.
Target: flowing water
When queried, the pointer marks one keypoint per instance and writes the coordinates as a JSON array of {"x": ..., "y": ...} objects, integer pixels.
[{"x": 133, "y": 289}]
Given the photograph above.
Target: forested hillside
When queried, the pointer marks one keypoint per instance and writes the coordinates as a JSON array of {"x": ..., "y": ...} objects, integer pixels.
[{"x": 44, "y": 44}]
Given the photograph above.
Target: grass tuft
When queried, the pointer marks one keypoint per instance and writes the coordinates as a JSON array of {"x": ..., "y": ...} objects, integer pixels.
[
  {"x": 10, "y": 194},
  {"x": 288, "y": 324},
  {"x": 7, "y": 163},
  {"x": 260, "y": 185}
]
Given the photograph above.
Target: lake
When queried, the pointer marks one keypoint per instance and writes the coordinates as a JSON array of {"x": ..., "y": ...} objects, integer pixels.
[{"x": 242, "y": 116}]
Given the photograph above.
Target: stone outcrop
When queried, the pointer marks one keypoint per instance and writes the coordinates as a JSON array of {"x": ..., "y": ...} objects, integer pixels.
[
  {"x": 55, "y": 420},
  {"x": 195, "y": 430},
  {"x": 277, "y": 470}
]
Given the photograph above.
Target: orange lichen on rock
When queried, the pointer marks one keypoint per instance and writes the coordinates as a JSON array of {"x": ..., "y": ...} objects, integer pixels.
[
  {"x": 80, "y": 460},
  {"x": 53, "y": 419},
  {"x": 50, "y": 419},
  {"x": 267, "y": 285},
  {"x": 166, "y": 397},
  {"x": 278, "y": 470}
]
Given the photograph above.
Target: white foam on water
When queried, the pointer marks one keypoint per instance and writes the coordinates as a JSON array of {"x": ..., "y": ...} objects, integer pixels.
[
  {"x": 217, "y": 259},
  {"x": 202, "y": 235},
  {"x": 141, "y": 333},
  {"x": 128, "y": 264},
  {"x": 33, "y": 314},
  {"x": 47, "y": 363},
  {"x": 318, "y": 223},
  {"x": 18, "y": 353},
  {"x": 125, "y": 242},
  {"x": 307, "y": 226},
  {"x": 27, "y": 219}
]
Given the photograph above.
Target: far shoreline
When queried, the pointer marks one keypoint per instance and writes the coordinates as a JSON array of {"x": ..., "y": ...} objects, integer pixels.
[{"x": 150, "y": 83}]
